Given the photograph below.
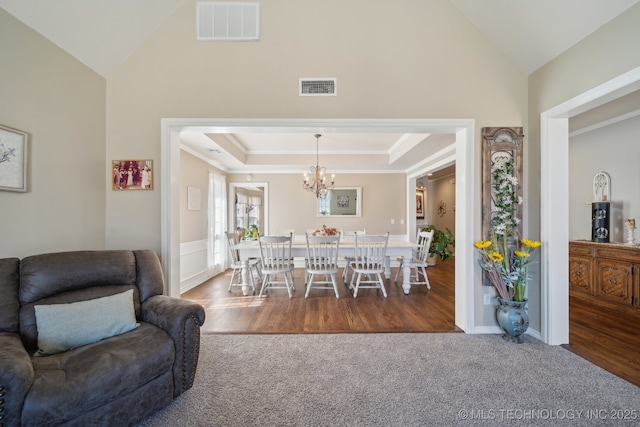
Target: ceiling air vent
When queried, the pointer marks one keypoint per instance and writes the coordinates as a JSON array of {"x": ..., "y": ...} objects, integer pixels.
[
  {"x": 318, "y": 87},
  {"x": 228, "y": 21}
]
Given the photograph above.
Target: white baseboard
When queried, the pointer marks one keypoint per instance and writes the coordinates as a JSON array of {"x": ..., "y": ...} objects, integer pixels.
[
  {"x": 536, "y": 334},
  {"x": 193, "y": 281},
  {"x": 485, "y": 330},
  {"x": 497, "y": 330}
]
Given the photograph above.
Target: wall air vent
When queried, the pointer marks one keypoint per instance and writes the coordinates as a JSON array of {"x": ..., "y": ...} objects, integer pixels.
[
  {"x": 318, "y": 87},
  {"x": 228, "y": 21}
]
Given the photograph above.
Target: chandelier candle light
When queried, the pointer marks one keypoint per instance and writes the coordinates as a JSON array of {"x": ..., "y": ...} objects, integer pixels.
[{"x": 317, "y": 184}]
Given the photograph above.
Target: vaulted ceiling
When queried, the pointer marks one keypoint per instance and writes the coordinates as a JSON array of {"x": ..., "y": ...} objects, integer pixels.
[{"x": 529, "y": 33}]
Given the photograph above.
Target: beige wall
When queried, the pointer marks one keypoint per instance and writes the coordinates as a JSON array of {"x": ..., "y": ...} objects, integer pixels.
[
  {"x": 420, "y": 60},
  {"x": 61, "y": 104},
  {"x": 390, "y": 62},
  {"x": 193, "y": 173},
  {"x": 413, "y": 59},
  {"x": 442, "y": 190},
  {"x": 292, "y": 207}
]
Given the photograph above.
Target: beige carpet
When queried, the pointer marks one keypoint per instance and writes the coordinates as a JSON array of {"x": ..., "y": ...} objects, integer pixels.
[{"x": 396, "y": 380}]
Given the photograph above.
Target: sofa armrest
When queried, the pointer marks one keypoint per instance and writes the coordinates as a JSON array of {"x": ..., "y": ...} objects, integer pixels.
[
  {"x": 16, "y": 377},
  {"x": 181, "y": 320}
]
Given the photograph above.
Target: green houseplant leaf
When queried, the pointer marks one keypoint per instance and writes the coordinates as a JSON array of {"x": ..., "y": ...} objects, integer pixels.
[{"x": 442, "y": 242}]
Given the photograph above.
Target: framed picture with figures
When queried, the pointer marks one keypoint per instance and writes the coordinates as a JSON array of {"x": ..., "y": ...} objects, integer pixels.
[{"x": 132, "y": 175}]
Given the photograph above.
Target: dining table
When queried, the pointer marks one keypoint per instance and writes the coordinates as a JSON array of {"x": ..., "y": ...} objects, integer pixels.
[{"x": 395, "y": 248}]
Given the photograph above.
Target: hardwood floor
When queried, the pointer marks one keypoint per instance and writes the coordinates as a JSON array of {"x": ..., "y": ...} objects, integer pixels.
[
  {"x": 599, "y": 334},
  {"x": 421, "y": 311},
  {"x": 596, "y": 333}
]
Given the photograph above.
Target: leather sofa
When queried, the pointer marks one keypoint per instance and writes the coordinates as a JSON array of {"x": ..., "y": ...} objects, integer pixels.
[{"x": 118, "y": 380}]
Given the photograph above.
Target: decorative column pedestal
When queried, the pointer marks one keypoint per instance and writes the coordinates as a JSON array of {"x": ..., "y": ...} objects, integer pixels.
[{"x": 600, "y": 222}]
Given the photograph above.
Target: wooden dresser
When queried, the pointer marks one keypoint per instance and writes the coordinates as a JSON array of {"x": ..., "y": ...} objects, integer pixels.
[{"x": 607, "y": 272}]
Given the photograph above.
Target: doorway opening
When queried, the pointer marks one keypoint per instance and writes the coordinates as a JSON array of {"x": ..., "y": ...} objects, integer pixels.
[
  {"x": 467, "y": 187},
  {"x": 554, "y": 206}
]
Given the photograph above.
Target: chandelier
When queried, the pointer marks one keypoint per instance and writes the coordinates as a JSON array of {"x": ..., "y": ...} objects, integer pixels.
[{"x": 317, "y": 183}]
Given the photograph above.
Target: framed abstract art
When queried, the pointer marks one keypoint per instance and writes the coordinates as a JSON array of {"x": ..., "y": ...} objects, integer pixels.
[{"x": 13, "y": 159}]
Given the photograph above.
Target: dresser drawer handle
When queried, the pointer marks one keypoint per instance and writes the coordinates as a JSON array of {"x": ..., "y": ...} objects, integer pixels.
[
  {"x": 612, "y": 281},
  {"x": 578, "y": 273}
]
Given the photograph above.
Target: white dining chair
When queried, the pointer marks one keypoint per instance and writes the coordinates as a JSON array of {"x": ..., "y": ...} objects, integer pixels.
[
  {"x": 236, "y": 264},
  {"x": 322, "y": 259},
  {"x": 418, "y": 262},
  {"x": 277, "y": 264},
  {"x": 369, "y": 263},
  {"x": 349, "y": 236}
]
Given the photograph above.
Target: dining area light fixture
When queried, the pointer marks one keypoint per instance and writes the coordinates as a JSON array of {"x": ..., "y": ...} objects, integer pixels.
[{"x": 317, "y": 183}]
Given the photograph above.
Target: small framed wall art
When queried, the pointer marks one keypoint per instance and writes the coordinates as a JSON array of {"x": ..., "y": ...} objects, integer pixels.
[
  {"x": 193, "y": 198},
  {"x": 419, "y": 204},
  {"x": 132, "y": 175},
  {"x": 13, "y": 159}
]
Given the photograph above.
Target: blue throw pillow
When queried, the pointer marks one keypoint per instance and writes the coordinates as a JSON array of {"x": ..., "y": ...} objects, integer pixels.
[{"x": 62, "y": 327}]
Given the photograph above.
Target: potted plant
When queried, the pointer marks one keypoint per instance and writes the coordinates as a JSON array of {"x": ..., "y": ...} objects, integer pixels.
[
  {"x": 252, "y": 232},
  {"x": 441, "y": 244},
  {"x": 505, "y": 259}
]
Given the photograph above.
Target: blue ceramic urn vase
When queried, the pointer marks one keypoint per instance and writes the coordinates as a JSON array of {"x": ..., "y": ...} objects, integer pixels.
[{"x": 513, "y": 318}]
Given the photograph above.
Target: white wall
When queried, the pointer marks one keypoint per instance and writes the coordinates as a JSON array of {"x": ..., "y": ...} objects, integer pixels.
[{"x": 613, "y": 149}]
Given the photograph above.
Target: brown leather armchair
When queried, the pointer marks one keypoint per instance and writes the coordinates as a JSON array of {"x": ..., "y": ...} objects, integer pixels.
[{"x": 115, "y": 381}]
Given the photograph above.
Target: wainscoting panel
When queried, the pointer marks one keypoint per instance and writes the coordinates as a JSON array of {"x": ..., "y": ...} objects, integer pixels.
[{"x": 193, "y": 264}]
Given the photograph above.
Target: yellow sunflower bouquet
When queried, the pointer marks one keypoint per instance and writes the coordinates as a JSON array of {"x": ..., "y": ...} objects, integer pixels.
[{"x": 507, "y": 269}]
